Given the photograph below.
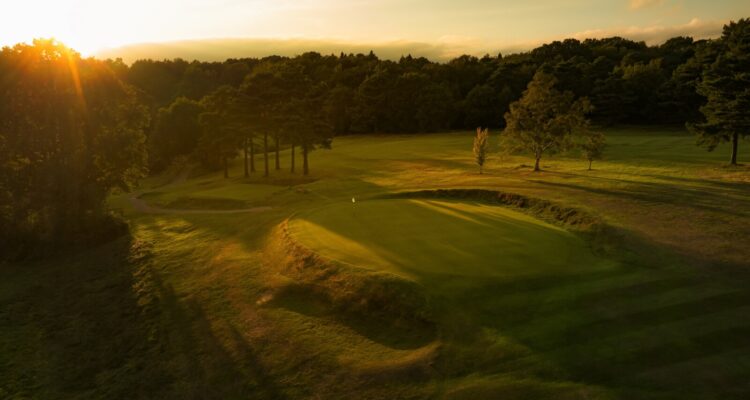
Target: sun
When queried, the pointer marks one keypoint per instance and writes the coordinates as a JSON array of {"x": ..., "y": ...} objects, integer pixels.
[
  {"x": 81, "y": 45},
  {"x": 83, "y": 25}
]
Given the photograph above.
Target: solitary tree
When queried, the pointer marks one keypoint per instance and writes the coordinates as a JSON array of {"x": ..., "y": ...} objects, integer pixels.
[
  {"x": 480, "y": 147},
  {"x": 726, "y": 86},
  {"x": 544, "y": 119},
  {"x": 592, "y": 146}
]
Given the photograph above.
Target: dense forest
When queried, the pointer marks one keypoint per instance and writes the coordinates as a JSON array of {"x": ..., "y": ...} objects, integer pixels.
[
  {"x": 626, "y": 82},
  {"x": 79, "y": 128}
]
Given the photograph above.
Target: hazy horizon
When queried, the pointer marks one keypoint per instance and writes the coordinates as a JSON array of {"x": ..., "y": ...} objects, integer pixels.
[
  {"x": 220, "y": 49},
  {"x": 436, "y": 29}
]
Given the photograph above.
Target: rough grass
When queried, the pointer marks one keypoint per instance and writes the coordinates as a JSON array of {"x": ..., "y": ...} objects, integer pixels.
[{"x": 225, "y": 306}]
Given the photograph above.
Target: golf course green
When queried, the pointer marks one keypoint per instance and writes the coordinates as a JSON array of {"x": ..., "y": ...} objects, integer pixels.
[{"x": 423, "y": 238}]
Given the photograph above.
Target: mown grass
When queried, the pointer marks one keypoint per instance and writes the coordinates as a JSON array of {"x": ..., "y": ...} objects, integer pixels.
[
  {"x": 425, "y": 238},
  {"x": 215, "y": 306}
]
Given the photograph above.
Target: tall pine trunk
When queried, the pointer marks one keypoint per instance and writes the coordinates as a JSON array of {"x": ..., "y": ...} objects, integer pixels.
[
  {"x": 536, "y": 163},
  {"x": 590, "y": 161},
  {"x": 305, "y": 166},
  {"x": 292, "y": 157},
  {"x": 278, "y": 166},
  {"x": 244, "y": 148},
  {"x": 252, "y": 155},
  {"x": 265, "y": 154},
  {"x": 735, "y": 145}
]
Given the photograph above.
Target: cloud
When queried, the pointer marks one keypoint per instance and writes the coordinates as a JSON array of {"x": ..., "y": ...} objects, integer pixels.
[
  {"x": 221, "y": 49},
  {"x": 444, "y": 49},
  {"x": 640, "y": 4},
  {"x": 656, "y": 34}
]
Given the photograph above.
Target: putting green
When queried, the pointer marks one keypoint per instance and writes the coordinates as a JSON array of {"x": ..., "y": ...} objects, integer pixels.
[{"x": 423, "y": 238}]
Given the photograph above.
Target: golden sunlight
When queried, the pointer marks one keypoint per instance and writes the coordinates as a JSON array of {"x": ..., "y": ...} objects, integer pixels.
[{"x": 86, "y": 25}]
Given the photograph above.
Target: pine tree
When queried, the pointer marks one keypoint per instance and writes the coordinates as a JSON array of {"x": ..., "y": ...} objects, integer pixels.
[{"x": 726, "y": 86}]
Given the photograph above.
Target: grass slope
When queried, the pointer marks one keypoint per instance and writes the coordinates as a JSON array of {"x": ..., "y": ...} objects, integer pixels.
[
  {"x": 218, "y": 306},
  {"x": 424, "y": 238}
]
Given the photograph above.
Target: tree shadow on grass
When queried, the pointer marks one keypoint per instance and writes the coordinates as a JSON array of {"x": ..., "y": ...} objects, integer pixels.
[
  {"x": 396, "y": 333},
  {"x": 103, "y": 324},
  {"x": 205, "y": 366},
  {"x": 719, "y": 203},
  {"x": 604, "y": 326}
]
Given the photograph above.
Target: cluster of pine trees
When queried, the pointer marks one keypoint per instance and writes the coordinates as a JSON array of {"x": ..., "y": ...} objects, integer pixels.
[{"x": 271, "y": 108}]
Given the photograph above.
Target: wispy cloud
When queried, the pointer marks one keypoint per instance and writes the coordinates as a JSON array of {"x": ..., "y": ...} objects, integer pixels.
[
  {"x": 656, "y": 34},
  {"x": 640, "y": 4},
  {"x": 221, "y": 49},
  {"x": 443, "y": 49}
]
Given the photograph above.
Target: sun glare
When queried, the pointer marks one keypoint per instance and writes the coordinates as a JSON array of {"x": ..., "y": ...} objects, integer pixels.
[{"x": 84, "y": 25}]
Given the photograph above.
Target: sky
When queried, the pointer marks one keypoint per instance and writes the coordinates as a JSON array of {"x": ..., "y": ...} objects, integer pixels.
[{"x": 448, "y": 27}]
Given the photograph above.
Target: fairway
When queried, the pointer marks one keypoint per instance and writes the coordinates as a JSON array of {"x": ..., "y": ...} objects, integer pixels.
[{"x": 422, "y": 238}]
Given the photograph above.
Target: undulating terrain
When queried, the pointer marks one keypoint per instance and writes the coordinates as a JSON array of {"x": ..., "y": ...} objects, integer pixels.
[{"x": 387, "y": 274}]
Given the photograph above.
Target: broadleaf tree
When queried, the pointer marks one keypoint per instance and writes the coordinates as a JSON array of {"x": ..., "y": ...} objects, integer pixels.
[
  {"x": 545, "y": 119},
  {"x": 70, "y": 132},
  {"x": 592, "y": 145}
]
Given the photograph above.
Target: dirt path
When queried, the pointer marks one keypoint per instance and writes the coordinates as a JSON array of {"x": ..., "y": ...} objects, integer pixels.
[{"x": 142, "y": 206}]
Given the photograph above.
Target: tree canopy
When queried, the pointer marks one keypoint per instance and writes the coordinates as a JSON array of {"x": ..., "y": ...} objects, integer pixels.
[
  {"x": 73, "y": 129},
  {"x": 725, "y": 84},
  {"x": 70, "y": 131},
  {"x": 544, "y": 119}
]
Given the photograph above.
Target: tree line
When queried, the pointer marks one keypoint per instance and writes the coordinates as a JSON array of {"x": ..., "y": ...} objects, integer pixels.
[
  {"x": 70, "y": 132},
  {"x": 625, "y": 82},
  {"x": 272, "y": 108},
  {"x": 74, "y": 129}
]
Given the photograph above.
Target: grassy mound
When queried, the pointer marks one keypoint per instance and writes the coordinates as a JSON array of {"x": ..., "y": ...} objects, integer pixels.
[
  {"x": 321, "y": 286},
  {"x": 423, "y": 239},
  {"x": 544, "y": 209}
]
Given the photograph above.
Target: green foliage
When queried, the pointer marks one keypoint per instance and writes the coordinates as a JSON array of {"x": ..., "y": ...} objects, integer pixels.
[
  {"x": 485, "y": 106},
  {"x": 176, "y": 132},
  {"x": 481, "y": 144},
  {"x": 592, "y": 145},
  {"x": 544, "y": 119},
  {"x": 305, "y": 124},
  {"x": 627, "y": 82},
  {"x": 71, "y": 132},
  {"x": 726, "y": 86},
  {"x": 221, "y": 135}
]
